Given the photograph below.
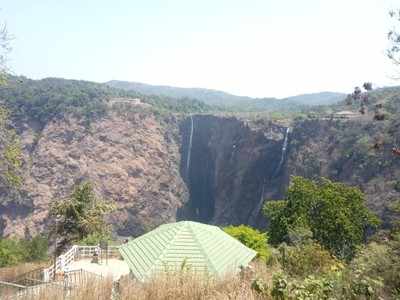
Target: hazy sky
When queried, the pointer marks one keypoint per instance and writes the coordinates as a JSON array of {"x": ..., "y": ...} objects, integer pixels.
[{"x": 254, "y": 47}]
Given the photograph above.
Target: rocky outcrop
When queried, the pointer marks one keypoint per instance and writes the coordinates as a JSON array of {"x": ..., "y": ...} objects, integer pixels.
[
  {"x": 132, "y": 159},
  {"x": 356, "y": 152}
]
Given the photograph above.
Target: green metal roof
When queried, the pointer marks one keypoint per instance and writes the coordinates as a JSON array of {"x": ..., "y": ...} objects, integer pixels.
[{"x": 200, "y": 247}]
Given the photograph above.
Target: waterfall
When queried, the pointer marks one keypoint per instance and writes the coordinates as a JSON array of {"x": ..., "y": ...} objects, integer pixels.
[
  {"x": 283, "y": 153},
  {"x": 189, "y": 146},
  {"x": 258, "y": 208}
]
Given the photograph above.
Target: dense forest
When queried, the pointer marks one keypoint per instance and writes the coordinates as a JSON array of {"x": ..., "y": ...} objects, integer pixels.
[{"x": 43, "y": 100}]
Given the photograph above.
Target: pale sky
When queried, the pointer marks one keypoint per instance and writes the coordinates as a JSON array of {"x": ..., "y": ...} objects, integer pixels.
[{"x": 260, "y": 48}]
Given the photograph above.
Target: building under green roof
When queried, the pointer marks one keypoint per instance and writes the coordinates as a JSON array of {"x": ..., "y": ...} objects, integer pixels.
[{"x": 198, "y": 247}]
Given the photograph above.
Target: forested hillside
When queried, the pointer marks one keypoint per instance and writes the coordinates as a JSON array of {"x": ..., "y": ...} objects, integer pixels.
[
  {"x": 232, "y": 102},
  {"x": 46, "y": 99}
]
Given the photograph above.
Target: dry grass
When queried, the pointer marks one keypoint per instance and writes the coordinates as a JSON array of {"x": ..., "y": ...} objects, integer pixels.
[
  {"x": 170, "y": 286},
  {"x": 92, "y": 289},
  {"x": 10, "y": 273},
  {"x": 180, "y": 286}
]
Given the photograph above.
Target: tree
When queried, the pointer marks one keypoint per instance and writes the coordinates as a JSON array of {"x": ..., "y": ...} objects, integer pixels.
[
  {"x": 80, "y": 215},
  {"x": 4, "y": 50},
  {"x": 10, "y": 151},
  {"x": 393, "y": 52},
  {"x": 334, "y": 212},
  {"x": 252, "y": 238}
]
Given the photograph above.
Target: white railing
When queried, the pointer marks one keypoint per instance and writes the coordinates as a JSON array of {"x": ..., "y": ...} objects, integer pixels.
[{"x": 75, "y": 253}]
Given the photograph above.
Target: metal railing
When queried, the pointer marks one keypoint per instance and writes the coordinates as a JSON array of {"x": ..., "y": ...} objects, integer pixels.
[
  {"x": 69, "y": 281},
  {"x": 75, "y": 253}
]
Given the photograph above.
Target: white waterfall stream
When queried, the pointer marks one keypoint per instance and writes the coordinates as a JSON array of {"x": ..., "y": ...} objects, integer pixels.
[
  {"x": 189, "y": 146},
  {"x": 283, "y": 152},
  {"x": 258, "y": 208}
]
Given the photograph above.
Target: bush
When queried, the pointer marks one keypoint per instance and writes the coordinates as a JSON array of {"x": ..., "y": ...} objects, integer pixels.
[
  {"x": 307, "y": 259},
  {"x": 279, "y": 287},
  {"x": 37, "y": 248},
  {"x": 378, "y": 265},
  {"x": 14, "y": 251},
  {"x": 11, "y": 252},
  {"x": 313, "y": 288},
  {"x": 252, "y": 238}
]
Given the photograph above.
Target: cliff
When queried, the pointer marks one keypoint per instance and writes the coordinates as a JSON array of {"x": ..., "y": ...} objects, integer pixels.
[
  {"x": 214, "y": 169},
  {"x": 132, "y": 158}
]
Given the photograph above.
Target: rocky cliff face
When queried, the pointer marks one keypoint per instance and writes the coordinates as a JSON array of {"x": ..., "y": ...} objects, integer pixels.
[
  {"x": 132, "y": 159},
  {"x": 233, "y": 168},
  {"x": 357, "y": 152},
  {"x": 207, "y": 168}
]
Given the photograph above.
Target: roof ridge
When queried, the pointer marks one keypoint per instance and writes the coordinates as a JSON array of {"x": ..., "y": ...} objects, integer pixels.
[
  {"x": 166, "y": 248},
  {"x": 215, "y": 271}
]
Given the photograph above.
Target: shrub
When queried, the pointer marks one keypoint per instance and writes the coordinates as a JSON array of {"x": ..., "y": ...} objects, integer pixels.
[
  {"x": 307, "y": 259},
  {"x": 14, "y": 251},
  {"x": 37, "y": 248},
  {"x": 377, "y": 266},
  {"x": 279, "y": 287},
  {"x": 11, "y": 252},
  {"x": 313, "y": 288},
  {"x": 252, "y": 238}
]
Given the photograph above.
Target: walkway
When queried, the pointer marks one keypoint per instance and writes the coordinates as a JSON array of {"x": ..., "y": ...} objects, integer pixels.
[{"x": 114, "y": 268}]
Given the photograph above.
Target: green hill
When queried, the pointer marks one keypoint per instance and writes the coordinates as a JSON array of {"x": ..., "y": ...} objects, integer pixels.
[{"x": 229, "y": 101}]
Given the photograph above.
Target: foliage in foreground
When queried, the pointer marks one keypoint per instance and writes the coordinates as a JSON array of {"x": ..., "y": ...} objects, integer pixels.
[
  {"x": 252, "y": 238},
  {"x": 304, "y": 270},
  {"x": 15, "y": 251},
  {"x": 372, "y": 274},
  {"x": 334, "y": 213}
]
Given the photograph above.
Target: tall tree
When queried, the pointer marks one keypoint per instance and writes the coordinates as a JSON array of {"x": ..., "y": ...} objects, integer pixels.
[
  {"x": 393, "y": 51},
  {"x": 4, "y": 50},
  {"x": 10, "y": 151},
  {"x": 80, "y": 215},
  {"x": 335, "y": 214}
]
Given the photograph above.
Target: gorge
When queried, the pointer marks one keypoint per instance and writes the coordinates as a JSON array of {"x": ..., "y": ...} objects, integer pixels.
[
  {"x": 162, "y": 159},
  {"x": 203, "y": 167}
]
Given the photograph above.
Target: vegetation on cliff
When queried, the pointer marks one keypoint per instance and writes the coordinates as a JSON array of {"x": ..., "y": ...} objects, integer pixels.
[
  {"x": 50, "y": 98},
  {"x": 232, "y": 103}
]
